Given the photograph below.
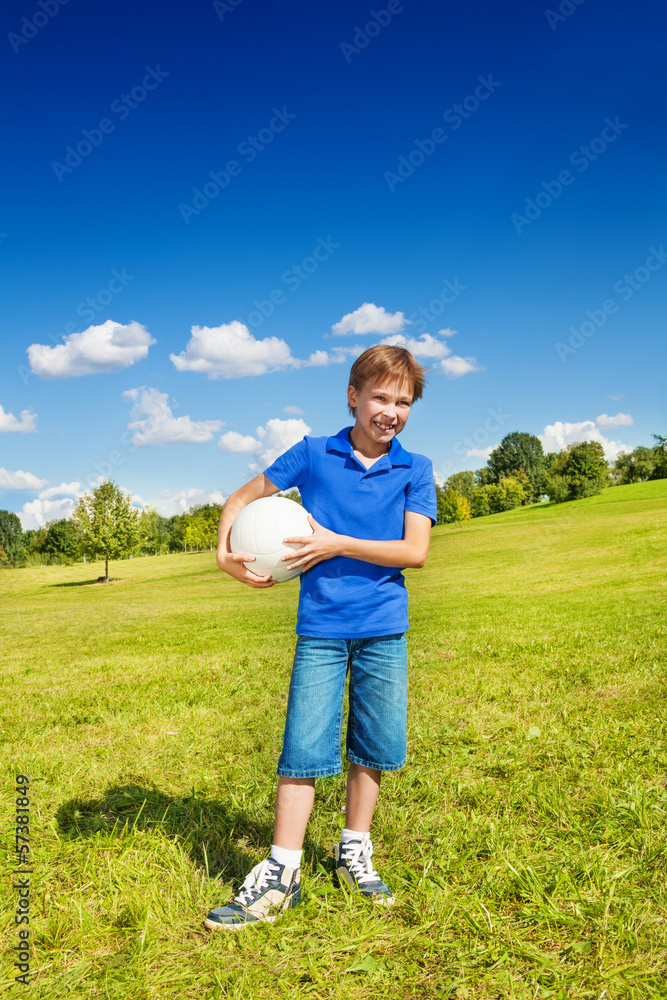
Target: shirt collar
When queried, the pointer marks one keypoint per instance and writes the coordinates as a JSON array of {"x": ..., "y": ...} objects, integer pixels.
[{"x": 395, "y": 456}]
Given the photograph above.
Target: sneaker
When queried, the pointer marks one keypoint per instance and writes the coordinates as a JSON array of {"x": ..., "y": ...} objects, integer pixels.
[
  {"x": 269, "y": 889},
  {"x": 355, "y": 871}
]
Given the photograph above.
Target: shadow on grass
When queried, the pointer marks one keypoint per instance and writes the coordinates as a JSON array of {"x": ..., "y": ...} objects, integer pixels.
[
  {"x": 208, "y": 829},
  {"x": 88, "y": 583}
]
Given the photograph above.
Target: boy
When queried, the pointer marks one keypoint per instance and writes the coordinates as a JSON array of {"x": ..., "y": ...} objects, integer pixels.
[{"x": 372, "y": 507}]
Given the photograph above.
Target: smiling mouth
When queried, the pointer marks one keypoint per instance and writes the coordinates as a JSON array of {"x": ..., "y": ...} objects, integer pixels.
[{"x": 384, "y": 427}]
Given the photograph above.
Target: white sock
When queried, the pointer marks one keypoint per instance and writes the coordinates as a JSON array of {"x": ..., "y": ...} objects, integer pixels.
[
  {"x": 348, "y": 835},
  {"x": 284, "y": 857}
]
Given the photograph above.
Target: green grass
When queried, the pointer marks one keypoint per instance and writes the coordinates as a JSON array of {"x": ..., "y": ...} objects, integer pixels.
[{"x": 525, "y": 839}]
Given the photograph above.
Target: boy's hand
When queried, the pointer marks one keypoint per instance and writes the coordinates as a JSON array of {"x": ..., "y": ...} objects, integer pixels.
[
  {"x": 232, "y": 563},
  {"x": 322, "y": 544}
]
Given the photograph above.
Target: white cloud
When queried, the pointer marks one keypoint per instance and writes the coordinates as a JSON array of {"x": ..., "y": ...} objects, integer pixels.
[
  {"x": 425, "y": 346},
  {"x": 482, "y": 452},
  {"x": 431, "y": 348},
  {"x": 179, "y": 501},
  {"x": 65, "y": 489},
  {"x": 25, "y": 425},
  {"x": 270, "y": 441},
  {"x": 369, "y": 318},
  {"x": 455, "y": 367},
  {"x": 617, "y": 397},
  {"x": 37, "y": 512},
  {"x": 52, "y": 504},
  {"x": 238, "y": 444},
  {"x": 278, "y": 436},
  {"x": 20, "y": 480},
  {"x": 231, "y": 351},
  {"x": 619, "y": 420},
  {"x": 105, "y": 348},
  {"x": 59, "y": 502},
  {"x": 295, "y": 410},
  {"x": 155, "y": 424},
  {"x": 558, "y": 435},
  {"x": 318, "y": 358},
  {"x": 341, "y": 354}
]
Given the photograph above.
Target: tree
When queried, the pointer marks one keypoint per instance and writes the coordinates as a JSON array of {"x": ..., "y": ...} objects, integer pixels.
[
  {"x": 153, "y": 532},
  {"x": 201, "y": 525},
  {"x": 480, "y": 503},
  {"x": 581, "y": 470},
  {"x": 194, "y": 532},
  {"x": 34, "y": 538},
  {"x": 176, "y": 532},
  {"x": 482, "y": 477},
  {"x": 494, "y": 498},
  {"x": 453, "y": 508},
  {"x": 11, "y": 537},
  {"x": 550, "y": 460},
  {"x": 108, "y": 522},
  {"x": 294, "y": 495},
  {"x": 462, "y": 482},
  {"x": 558, "y": 488},
  {"x": 634, "y": 466},
  {"x": 660, "y": 451},
  {"x": 519, "y": 450},
  {"x": 62, "y": 540}
]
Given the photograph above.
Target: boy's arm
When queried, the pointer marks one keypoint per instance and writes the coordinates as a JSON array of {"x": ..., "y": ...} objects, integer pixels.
[
  {"x": 232, "y": 562},
  {"x": 407, "y": 553}
]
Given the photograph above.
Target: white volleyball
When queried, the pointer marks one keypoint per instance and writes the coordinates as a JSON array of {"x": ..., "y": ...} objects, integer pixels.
[{"x": 260, "y": 528}]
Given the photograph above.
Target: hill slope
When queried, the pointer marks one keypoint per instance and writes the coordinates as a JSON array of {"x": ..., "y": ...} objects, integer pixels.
[{"x": 525, "y": 839}]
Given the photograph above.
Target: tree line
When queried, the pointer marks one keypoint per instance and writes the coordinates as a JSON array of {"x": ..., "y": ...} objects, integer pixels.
[
  {"x": 518, "y": 472},
  {"x": 106, "y": 525}
]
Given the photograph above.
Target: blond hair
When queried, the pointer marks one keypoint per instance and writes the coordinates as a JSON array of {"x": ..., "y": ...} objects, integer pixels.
[{"x": 393, "y": 361}]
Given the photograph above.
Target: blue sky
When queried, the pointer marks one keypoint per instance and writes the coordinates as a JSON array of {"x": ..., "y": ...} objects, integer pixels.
[{"x": 211, "y": 208}]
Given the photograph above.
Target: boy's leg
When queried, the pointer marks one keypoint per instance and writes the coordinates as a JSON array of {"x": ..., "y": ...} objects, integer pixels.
[
  {"x": 312, "y": 745},
  {"x": 294, "y": 804},
  {"x": 363, "y": 787},
  {"x": 376, "y": 741},
  {"x": 311, "y": 742}
]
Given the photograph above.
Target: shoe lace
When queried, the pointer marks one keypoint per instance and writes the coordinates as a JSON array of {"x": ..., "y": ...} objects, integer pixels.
[
  {"x": 358, "y": 855},
  {"x": 257, "y": 880}
]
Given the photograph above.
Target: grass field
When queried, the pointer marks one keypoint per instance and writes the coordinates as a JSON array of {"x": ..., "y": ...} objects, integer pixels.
[{"x": 525, "y": 839}]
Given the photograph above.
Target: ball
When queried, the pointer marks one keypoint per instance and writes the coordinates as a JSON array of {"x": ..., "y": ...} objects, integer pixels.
[{"x": 260, "y": 528}]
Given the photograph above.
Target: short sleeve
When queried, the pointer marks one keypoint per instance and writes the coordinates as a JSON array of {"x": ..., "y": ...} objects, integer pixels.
[
  {"x": 291, "y": 468},
  {"x": 420, "y": 494}
]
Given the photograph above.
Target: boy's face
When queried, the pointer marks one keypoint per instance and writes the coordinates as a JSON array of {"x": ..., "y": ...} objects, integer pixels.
[{"x": 383, "y": 408}]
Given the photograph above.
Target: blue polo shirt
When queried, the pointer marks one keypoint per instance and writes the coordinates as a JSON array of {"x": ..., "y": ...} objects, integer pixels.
[{"x": 342, "y": 597}]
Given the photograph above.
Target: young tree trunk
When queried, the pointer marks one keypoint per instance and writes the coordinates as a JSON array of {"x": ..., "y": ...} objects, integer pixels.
[{"x": 106, "y": 567}]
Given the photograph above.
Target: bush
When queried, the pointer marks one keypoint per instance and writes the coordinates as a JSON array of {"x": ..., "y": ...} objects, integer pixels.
[
  {"x": 494, "y": 498},
  {"x": 557, "y": 488},
  {"x": 581, "y": 470},
  {"x": 452, "y": 507},
  {"x": 11, "y": 537}
]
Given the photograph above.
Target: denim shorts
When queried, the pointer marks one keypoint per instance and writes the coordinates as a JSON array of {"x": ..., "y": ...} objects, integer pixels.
[{"x": 377, "y": 721}]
